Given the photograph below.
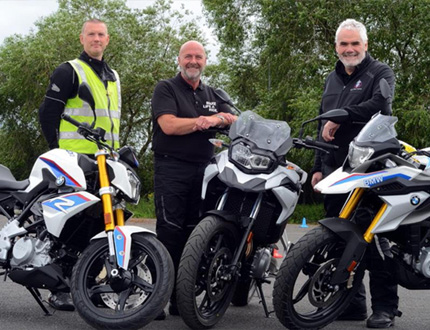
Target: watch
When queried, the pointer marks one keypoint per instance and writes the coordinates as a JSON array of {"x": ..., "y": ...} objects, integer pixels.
[{"x": 222, "y": 120}]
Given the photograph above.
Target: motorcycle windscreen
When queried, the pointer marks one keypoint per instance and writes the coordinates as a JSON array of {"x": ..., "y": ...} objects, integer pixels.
[{"x": 267, "y": 134}]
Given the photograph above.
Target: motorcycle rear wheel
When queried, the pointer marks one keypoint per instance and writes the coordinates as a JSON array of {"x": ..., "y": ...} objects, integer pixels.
[
  {"x": 302, "y": 298},
  {"x": 128, "y": 303},
  {"x": 203, "y": 293}
]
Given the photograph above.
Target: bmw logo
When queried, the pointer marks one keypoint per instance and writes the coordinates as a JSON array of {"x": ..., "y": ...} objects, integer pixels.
[
  {"x": 415, "y": 200},
  {"x": 60, "y": 181}
]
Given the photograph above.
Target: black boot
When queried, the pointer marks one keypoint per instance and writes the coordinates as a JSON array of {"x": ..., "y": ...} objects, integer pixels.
[
  {"x": 61, "y": 301},
  {"x": 380, "y": 319}
]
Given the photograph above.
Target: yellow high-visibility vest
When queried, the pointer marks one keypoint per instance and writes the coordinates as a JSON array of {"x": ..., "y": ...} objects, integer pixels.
[{"x": 108, "y": 111}]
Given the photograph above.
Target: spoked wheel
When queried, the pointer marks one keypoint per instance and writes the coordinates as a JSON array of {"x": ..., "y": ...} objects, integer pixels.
[
  {"x": 206, "y": 281},
  {"x": 302, "y": 295},
  {"x": 129, "y": 300}
]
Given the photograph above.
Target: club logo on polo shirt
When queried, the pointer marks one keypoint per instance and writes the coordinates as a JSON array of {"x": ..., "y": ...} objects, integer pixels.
[
  {"x": 210, "y": 106},
  {"x": 358, "y": 86}
]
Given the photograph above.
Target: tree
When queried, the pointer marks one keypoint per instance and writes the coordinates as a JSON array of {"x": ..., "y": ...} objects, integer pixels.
[
  {"x": 143, "y": 49},
  {"x": 278, "y": 53}
]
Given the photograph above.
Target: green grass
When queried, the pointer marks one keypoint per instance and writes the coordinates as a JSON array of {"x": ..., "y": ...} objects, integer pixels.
[
  {"x": 312, "y": 212},
  {"x": 145, "y": 208}
]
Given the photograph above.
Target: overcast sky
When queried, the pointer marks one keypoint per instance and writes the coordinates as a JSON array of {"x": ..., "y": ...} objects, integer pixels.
[{"x": 18, "y": 16}]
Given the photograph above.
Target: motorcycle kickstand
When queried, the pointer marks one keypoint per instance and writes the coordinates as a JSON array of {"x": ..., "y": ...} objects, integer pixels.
[
  {"x": 36, "y": 295},
  {"x": 259, "y": 285}
]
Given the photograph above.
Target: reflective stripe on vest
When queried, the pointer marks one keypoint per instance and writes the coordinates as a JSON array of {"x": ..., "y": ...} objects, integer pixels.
[{"x": 108, "y": 111}]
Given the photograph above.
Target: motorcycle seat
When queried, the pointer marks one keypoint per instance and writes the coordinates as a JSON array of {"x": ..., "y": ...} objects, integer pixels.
[{"x": 8, "y": 181}]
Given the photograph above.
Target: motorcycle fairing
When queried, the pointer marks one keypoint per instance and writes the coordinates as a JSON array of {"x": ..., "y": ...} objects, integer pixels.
[
  {"x": 57, "y": 210},
  {"x": 288, "y": 199},
  {"x": 122, "y": 240},
  {"x": 340, "y": 182},
  {"x": 120, "y": 172},
  {"x": 401, "y": 210},
  {"x": 233, "y": 177},
  {"x": 63, "y": 164}
]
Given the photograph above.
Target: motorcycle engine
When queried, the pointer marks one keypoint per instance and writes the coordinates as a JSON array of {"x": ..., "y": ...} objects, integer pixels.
[
  {"x": 261, "y": 263},
  {"x": 423, "y": 265},
  {"x": 30, "y": 252}
]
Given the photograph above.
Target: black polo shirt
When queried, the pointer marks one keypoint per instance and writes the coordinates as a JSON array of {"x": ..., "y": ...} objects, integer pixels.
[{"x": 176, "y": 97}]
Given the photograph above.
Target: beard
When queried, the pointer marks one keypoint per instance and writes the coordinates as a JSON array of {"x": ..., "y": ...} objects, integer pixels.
[
  {"x": 351, "y": 60},
  {"x": 192, "y": 72}
]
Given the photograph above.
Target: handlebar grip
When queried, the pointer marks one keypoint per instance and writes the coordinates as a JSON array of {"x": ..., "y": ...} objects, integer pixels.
[
  {"x": 70, "y": 120},
  {"x": 320, "y": 144}
]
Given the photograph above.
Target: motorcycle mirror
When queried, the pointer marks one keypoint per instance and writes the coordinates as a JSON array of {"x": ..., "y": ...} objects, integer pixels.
[
  {"x": 224, "y": 97},
  {"x": 336, "y": 115},
  {"x": 386, "y": 94},
  {"x": 85, "y": 94}
]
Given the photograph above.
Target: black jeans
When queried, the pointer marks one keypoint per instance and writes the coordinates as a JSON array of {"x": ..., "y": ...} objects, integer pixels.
[{"x": 177, "y": 190}]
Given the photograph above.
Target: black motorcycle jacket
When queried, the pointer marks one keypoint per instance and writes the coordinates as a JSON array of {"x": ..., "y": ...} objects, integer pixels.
[{"x": 360, "y": 95}]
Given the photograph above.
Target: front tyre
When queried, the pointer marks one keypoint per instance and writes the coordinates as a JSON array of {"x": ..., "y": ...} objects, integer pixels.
[
  {"x": 206, "y": 280},
  {"x": 130, "y": 300},
  {"x": 302, "y": 295}
]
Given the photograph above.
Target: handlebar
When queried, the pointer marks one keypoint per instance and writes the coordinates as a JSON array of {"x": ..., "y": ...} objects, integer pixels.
[
  {"x": 70, "y": 120},
  {"x": 94, "y": 135},
  {"x": 310, "y": 143}
]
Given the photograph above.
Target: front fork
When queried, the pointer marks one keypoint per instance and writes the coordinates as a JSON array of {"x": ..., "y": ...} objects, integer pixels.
[
  {"x": 355, "y": 246},
  {"x": 111, "y": 217},
  {"x": 351, "y": 205}
]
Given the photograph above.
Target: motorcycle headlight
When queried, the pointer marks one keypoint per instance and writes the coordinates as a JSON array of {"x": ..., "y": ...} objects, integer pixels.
[
  {"x": 358, "y": 155},
  {"x": 135, "y": 187},
  {"x": 242, "y": 155}
]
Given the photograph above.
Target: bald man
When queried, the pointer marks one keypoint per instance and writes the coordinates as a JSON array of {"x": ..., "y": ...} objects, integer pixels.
[{"x": 183, "y": 108}]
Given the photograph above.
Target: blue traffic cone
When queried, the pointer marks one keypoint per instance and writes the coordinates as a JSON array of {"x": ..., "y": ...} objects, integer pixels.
[{"x": 304, "y": 225}]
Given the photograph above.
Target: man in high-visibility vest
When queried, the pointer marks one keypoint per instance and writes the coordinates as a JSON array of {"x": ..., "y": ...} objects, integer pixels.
[{"x": 62, "y": 96}]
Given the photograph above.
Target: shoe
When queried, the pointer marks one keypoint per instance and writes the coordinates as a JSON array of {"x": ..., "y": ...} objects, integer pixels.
[
  {"x": 173, "y": 309},
  {"x": 380, "y": 319},
  {"x": 61, "y": 301},
  {"x": 353, "y": 313},
  {"x": 161, "y": 316}
]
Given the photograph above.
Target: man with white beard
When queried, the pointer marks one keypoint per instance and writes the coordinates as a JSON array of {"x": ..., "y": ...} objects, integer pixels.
[{"x": 354, "y": 87}]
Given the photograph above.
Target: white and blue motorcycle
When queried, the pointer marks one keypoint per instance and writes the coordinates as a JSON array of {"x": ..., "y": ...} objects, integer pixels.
[
  {"x": 388, "y": 181},
  {"x": 66, "y": 232}
]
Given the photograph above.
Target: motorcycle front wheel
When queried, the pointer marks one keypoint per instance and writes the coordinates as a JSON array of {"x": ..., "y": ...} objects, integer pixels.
[
  {"x": 130, "y": 300},
  {"x": 302, "y": 295},
  {"x": 206, "y": 281}
]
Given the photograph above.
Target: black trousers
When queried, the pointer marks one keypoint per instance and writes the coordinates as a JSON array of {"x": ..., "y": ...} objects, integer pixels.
[
  {"x": 382, "y": 272},
  {"x": 177, "y": 190}
]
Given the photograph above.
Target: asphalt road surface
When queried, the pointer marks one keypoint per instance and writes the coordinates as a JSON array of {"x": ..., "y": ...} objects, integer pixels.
[{"x": 20, "y": 311}]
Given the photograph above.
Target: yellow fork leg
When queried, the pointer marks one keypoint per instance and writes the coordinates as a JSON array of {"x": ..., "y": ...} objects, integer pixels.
[
  {"x": 368, "y": 236},
  {"x": 119, "y": 217},
  {"x": 350, "y": 207},
  {"x": 352, "y": 203},
  {"x": 105, "y": 192}
]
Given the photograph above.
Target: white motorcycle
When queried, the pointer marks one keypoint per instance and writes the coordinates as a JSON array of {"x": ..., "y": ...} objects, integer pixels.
[
  {"x": 388, "y": 183},
  {"x": 249, "y": 191},
  {"x": 66, "y": 231}
]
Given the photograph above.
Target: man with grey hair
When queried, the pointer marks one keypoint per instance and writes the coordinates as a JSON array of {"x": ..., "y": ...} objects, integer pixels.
[{"x": 354, "y": 87}]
